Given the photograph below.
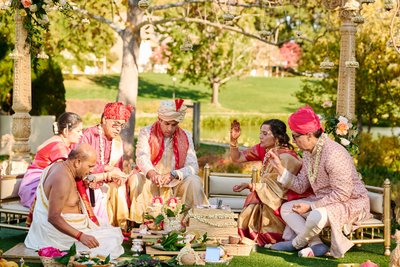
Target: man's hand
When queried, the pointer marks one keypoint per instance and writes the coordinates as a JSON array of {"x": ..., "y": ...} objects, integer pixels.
[
  {"x": 166, "y": 179},
  {"x": 276, "y": 162},
  {"x": 235, "y": 131},
  {"x": 241, "y": 187},
  {"x": 154, "y": 177},
  {"x": 89, "y": 241},
  {"x": 301, "y": 208}
]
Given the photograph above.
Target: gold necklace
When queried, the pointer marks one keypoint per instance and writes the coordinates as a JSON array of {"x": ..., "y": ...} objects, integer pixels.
[
  {"x": 313, "y": 170},
  {"x": 73, "y": 182}
]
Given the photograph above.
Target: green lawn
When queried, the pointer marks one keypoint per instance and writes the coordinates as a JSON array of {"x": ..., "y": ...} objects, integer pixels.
[
  {"x": 250, "y": 95},
  {"x": 263, "y": 257}
]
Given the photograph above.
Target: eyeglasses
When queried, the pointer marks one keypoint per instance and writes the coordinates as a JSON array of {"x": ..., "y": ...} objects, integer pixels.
[
  {"x": 296, "y": 136},
  {"x": 116, "y": 125}
]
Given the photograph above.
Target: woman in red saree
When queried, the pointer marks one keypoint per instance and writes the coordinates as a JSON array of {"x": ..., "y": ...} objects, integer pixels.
[
  {"x": 260, "y": 219},
  {"x": 68, "y": 131}
]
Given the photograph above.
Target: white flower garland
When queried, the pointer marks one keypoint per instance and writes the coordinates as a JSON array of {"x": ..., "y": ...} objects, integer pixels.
[
  {"x": 313, "y": 170},
  {"x": 203, "y": 219}
]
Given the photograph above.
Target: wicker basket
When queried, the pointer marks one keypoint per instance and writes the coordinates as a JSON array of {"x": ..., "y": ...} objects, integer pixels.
[
  {"x": 238, "y": 249},
  {"x": 50, "y": 262}
]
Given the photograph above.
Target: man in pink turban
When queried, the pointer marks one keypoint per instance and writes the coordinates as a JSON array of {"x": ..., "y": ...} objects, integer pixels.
[
  {"x": 109, "y": 200},
  {"x": 165, "y": 155},
  {"x": 340, "y": 199}
]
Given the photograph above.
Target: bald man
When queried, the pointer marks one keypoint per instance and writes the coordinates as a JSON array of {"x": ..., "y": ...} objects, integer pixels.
[{"x": 60, "y": 219}]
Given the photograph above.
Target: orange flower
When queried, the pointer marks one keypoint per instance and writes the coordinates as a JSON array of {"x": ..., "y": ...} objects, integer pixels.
[
  {"x": 342, "y": 128},
  {"x": 26, "y": 3}
]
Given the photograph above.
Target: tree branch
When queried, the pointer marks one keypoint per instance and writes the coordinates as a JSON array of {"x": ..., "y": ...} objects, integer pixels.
[
  {"x": 205, "y": 22},
  {"x": 259, "y": 4},
  {"x": 101, "y": 19}
]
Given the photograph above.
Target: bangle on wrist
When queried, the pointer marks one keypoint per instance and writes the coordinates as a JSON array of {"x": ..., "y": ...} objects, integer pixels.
[
  {"x": 233, "y": 145},
  {"x": 78, "y": 236}
]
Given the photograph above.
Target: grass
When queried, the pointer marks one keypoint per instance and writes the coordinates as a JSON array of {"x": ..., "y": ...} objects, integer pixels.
[
  {"x": 263, "y": 257},
  {"x": 262, "y": 95}
]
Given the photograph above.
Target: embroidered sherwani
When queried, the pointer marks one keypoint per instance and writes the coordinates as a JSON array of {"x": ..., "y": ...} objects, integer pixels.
[
  {"x": 188, "y": 186},
  {"x": 43, "y": 234},
  {"x": 337, "y": 187},
  {"x": 111, "y": 204}
]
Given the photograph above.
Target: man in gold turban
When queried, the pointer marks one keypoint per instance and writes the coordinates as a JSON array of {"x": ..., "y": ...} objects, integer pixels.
[{"x": 167, "y": 162}]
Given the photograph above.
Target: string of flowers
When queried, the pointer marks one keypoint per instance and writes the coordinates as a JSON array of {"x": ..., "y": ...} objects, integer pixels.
[{"x": 35, "y": 18}]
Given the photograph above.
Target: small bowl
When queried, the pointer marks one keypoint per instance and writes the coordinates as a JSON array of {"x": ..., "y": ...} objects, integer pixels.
[{"x": 234, "y": 240}]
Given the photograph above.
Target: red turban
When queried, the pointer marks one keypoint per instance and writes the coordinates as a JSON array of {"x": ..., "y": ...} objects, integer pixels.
[
  {"x": 117, "y": 111},
  {"x": 304, "y": 121}
]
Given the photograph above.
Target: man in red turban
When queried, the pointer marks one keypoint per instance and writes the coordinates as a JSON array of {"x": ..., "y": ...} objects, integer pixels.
[
  {"x": 340, "y": 198},
  {"x": 109, "y": 198}
]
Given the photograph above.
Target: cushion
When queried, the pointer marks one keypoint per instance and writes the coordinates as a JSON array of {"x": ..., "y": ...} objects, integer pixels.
[
  {"x": 376, "y": 202},
  {"x": 14, "y": 206},
  {"x": 221, "y": 185},
  {"x": 9, "y": 186}
]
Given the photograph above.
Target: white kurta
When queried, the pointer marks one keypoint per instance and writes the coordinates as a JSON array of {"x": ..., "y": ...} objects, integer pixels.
[
  {"x": 188, "y": 187},
  {"x": 43, "y": 234}
]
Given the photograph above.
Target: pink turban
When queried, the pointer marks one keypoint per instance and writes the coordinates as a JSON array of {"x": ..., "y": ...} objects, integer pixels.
[
  {"x": 117, "y": 111},
  {"x": 304, "y": 121}
]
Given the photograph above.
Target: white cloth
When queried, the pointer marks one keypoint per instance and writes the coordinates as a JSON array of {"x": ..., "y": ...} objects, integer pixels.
[
  {"x": 43, "y": 234},
  {"x": 143, "y": 161},
  {"x": 168, "y": 111}
]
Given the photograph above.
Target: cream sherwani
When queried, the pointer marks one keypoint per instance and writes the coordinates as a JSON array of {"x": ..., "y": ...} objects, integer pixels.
[
  {"x": 188, "y": 187},
  {"x": 43, "y": 234}
]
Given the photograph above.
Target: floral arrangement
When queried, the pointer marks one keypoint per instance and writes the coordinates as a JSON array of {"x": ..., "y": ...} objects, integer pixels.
[
  {"x": 59, "y": 256},
  {"x": 35, "y": 18},
  {"x": 160, "y": 210},
  {"x": 86, "y": 260},
  {"x": 343, "y": 132}
]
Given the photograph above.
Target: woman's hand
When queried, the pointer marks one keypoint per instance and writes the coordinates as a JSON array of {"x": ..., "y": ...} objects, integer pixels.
[
  {"x": 241, "y": 187},
  {"x": 235, "y": 131}
]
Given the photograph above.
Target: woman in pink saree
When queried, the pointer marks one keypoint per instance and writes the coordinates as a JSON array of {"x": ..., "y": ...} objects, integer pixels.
[
  {"x": 260, "y": 218},
  {"x": 68, "y": 131}
]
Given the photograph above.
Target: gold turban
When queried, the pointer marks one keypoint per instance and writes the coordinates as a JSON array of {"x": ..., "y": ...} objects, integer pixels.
[{"x": 172, "y": 110}]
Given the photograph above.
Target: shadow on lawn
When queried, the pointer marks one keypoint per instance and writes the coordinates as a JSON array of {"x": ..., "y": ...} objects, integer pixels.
[
  {"x": 107, "y": 81},
  {"x": 291, "y": 257},
  {"x": 157, "y": 90}
]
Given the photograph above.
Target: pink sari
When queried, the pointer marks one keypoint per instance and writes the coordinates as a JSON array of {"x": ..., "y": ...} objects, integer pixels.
[{"x": 50, "y": 153}]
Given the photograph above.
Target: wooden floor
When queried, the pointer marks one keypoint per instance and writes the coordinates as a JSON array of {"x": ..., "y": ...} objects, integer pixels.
[{"x": 20, "y": 251}]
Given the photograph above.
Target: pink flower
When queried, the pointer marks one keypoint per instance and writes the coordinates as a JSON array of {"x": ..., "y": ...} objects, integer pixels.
[
  {"x": 51, "y": 252},
  {"x": 157, "y": 200},
  {"x": 343, "y": 126},
  {"x": 26, "y": 3},
  {"x": 172, "y": 202}
]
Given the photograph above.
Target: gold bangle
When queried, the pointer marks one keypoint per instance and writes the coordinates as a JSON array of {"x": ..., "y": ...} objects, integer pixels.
[{"x": 233, "y": 145}]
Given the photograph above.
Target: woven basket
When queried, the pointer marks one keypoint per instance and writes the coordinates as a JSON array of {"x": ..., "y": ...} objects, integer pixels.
[
  {"x": 50, "y": 262},
  {"x": 238, "y": 249}
]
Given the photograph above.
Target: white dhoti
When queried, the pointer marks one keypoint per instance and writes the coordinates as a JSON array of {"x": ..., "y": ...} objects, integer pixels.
[{"x": 44, "y": 234}]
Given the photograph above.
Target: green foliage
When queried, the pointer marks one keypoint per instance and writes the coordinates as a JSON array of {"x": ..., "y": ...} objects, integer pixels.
[
  {"x": 170, "y": 240},
  {"x": 66, "y": 258},
  {"x": 377, "y": 95},
  {"x": 48, "y": 91},
  {"x": 6, "y": 64},
  {"x": 343, "y": 132},
  {"x": 379, "y": 159}
]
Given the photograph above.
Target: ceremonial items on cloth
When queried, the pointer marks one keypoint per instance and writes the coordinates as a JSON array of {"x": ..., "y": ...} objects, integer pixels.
[
  {"x": 241, "y": 248},
  {"x": 84, "y": 260},
  {"x": 53, "y": 257},
  {"x": 218, "y": 224}
]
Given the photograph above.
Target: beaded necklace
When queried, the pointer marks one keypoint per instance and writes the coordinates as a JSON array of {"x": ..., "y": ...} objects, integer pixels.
[
  {"x": 101, "y": 144},
  {"x": 313, "y": 170}
]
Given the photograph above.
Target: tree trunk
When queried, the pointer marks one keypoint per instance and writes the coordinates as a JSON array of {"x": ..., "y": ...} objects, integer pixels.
[
  {"x": 215, "y": 92},
  {"x": 129, "y": 80}
]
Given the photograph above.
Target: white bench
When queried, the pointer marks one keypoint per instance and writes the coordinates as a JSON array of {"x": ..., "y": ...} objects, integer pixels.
[
  {"x": 11, "y": 210},
  {"x": 218, "y": 186}
]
